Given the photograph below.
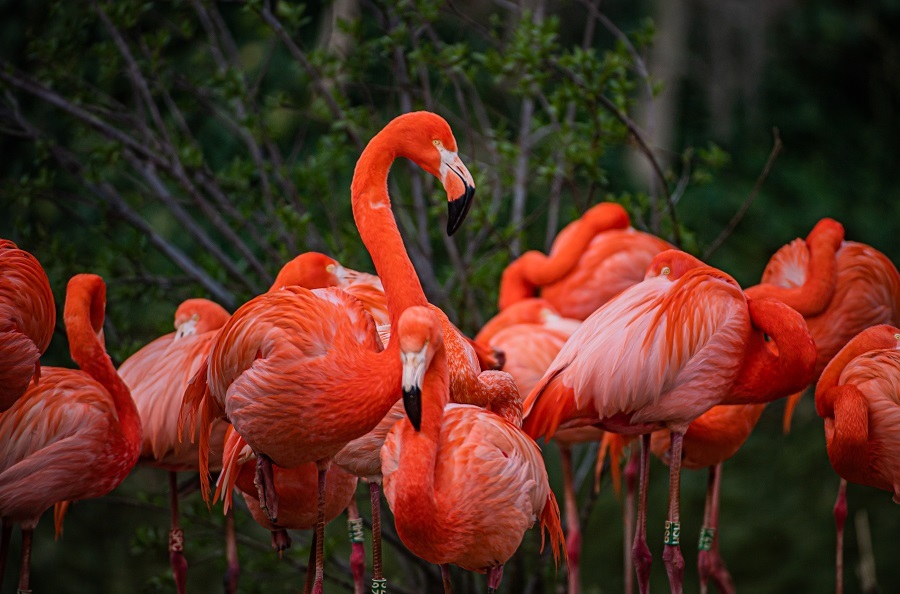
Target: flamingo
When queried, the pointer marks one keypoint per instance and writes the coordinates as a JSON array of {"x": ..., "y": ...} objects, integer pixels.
[
  {"x": 840, "y": 287},
  {"x": 464, "y": 483},
  {"x": 157, "y": 376},
  {"x": 714, "y": 437},
  {"x": 27, "y": 319},
  {"x": 468, "y": 385},
  {"x": 592, "y": 259},
  {"x": 858, "y": 395},
  {"x": 74, "y": 436},
  {"x": 292, "y": 369},
  {"x": 662, "y": 353}
]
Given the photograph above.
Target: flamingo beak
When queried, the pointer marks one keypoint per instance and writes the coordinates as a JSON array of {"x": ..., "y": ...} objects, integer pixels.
[
  {"x": 413, "y": 375},
  {"x": 460, "y": 187}
]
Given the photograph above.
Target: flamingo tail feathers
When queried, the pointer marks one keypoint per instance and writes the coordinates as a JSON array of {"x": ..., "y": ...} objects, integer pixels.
[
  {"x": 789, "y": 407},
  {"x": 551, "y": 524},
  {"x": 59, "y": 514}
]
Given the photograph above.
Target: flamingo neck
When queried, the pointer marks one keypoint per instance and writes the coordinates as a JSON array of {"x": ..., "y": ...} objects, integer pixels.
[
  {"x": 83, "y": 316},
  {"x": 378, "y": 228},
  {"x": 830, "y": 377},
  {"x": 533, "y": 269},
  {"x": 778, "y": 367},
  {"x": 418, "y": 456},
  {"x": 815, "y": 294}
]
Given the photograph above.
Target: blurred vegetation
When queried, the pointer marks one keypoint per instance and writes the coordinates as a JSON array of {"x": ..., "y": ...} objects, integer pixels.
[{"x": 186, "y": 149}]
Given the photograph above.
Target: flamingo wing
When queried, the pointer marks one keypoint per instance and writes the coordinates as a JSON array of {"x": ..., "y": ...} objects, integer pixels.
[
  {"x": 660, "y": 353},
  {"x": 50, "y": 439}
]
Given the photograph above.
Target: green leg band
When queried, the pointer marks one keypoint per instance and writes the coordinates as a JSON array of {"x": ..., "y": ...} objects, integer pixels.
[
  {"x": 707, "y": 536},
  {"x": 355, "y": 529},
  {"x": 673, "y": 533},
  {"x": 379, "y": 586}
]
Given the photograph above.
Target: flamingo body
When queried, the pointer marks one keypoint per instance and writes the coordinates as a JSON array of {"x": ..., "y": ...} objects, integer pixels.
[{"x": 27, "y": 319}]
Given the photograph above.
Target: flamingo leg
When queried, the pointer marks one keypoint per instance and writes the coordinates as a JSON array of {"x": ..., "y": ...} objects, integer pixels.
[
  {"x": 281, "y": 541},
  {"x": 232, "y": 569},
  {"x": 176, "y": 540},
  {"x": 640, "y": 551},
  {"x": 5, "y": 535},
  {"x": 445, "y": 578},
  {"x": 357, "y": 547},
  {"x": 494, "y": 575},
  {"x": 25, "y": 567},
  {"x": 320, "y": 529},
  {"x": 840, "y": 516},
  {"x": 631, "y": 476},
  {"x": 265, "y": 485},
  {"x": 672, "y": 553},
  {"x": 709, "y": 562},
  {"x": 378, "y": 580},
  {"x": 307, "y": 587},
  {"x": 573, "y": 528}
]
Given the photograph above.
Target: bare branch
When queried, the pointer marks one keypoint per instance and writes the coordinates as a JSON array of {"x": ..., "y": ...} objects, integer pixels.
[{"x": 727, "y": 231}]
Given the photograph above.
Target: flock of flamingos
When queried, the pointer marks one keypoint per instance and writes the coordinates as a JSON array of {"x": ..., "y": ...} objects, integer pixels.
[{"x": 612, "y": 335}]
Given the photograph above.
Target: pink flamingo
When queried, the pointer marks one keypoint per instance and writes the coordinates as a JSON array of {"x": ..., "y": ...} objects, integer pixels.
[
  {"x": 858, "y": 395},
  {"x": 292, "y": 369},
  {"x": 74, "y": 436},
  {"x": 27, "y": 318},
  {"x": 464, "y": 483},
  {"x": 660, "y": 354}
]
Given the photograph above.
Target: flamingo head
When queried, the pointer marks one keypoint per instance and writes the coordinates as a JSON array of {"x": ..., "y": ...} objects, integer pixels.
[
  {"x": 197, "y": 316},
  {"x": 672, "y": 264},
  {"x": 310, "y": 270},
  {"x": 420, "y": 336},
  {"x": 429, "y": 142}
]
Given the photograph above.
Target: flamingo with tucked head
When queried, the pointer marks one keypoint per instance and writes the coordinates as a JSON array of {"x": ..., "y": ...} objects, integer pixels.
[
  {"x": 76, "y": 435},
  {"x": 662, "y": 353}
]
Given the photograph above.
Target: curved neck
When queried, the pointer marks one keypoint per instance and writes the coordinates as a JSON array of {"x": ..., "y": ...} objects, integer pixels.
[
  {"x": 378, "y": 229},
  {"x": 776, "y": 367},
  {"x": 533, "y": 269},
  {"x": 83, "y": 316},
  {"x": 814, "y": 295},
  {"x": 859, "y": 345}
]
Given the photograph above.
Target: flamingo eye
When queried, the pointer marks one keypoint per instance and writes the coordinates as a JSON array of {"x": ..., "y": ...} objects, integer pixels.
[
  {"x": 897, "y": 336},
  {"x": 329, "y": 268},
  {"x": 436, "y": 142},
  {"x": 766, "y": 337},
  {"x": 195, "y": 317},
  {"x": 666, "y": 271}
]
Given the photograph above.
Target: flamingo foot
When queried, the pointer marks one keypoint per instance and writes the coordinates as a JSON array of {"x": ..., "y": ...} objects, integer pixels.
[
  {"x": 674, "y": 567},
  {"x": 265, "y": 485},
  {"x": 281, "y": 541},
  {"x": 643, "y": 560},
  {"x": 711, "y": 566},
  {"x": 494, "y": 575},
  {"x": 176, "y": 559}
]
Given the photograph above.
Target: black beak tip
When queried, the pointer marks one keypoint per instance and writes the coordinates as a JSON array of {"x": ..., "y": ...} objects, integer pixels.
[
  {"x": 458, "y": 209},
  {"x": 412, "y": 402}
]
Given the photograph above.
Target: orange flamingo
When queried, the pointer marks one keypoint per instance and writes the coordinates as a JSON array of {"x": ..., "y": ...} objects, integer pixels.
[
  {"x": 840, "y": 287},
  {"x": 662, "y": 353},
  {"x": 464, "y": 483},
  {"x": 27, "y": 318},
  {"x": 293, "y": 368},
  {"x": 468, "y": 385},
  {"x": 714, "y": 437},
  {"x": 157, "y": 376},
  {"x": 592, "y": 259},
  {"x": 858, "y": 395},
  {"x": 74, "y": 436}
]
